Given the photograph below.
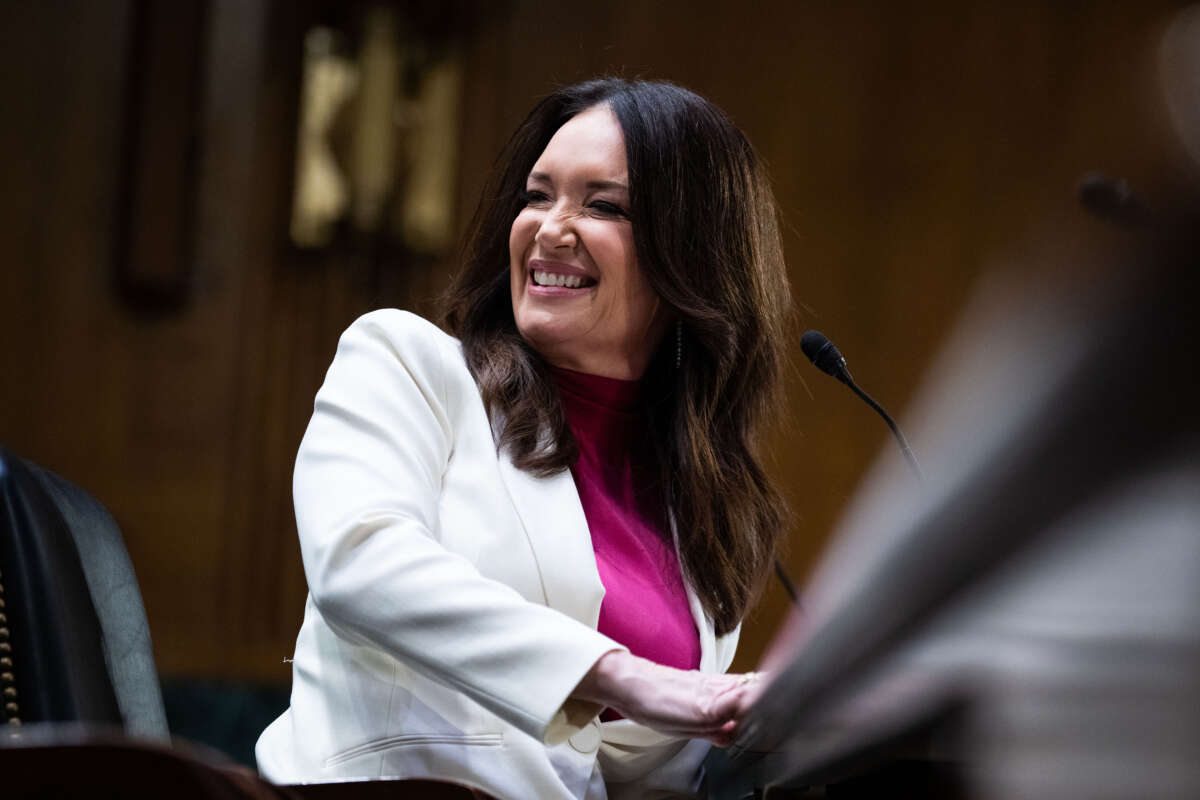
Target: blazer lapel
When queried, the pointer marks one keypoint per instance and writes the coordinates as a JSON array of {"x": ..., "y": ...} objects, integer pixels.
[
  {"x": 558, "y": 534},
  {"x": 704, "y": 626},
  {"x": 553, "y": 519},
  {"x": 708, "y": 641}
]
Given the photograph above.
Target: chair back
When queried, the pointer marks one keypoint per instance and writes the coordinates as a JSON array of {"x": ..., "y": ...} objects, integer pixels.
[{"x": 74, "y": 642}]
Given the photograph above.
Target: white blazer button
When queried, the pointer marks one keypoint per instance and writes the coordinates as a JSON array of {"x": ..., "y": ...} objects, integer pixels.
[{"x": 586, "y": 740}]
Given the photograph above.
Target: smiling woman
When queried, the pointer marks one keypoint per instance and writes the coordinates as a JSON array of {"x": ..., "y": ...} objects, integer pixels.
[
  {"x": 529, "y": 548},
  {"x": 578, "y": 295}
]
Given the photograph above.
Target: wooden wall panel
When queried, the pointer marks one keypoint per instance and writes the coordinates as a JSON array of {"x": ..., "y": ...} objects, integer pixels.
[{"x": 910, "y": 145}]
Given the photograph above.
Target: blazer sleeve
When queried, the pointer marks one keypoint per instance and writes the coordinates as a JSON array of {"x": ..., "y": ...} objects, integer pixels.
[{"x": 367, "y": 482}]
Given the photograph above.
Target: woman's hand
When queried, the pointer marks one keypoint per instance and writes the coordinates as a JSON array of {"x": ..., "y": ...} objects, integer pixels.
[{"x": 684, "y": 702}]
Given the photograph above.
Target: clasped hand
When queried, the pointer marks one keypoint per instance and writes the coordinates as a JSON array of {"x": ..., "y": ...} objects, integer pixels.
[{"x": 684, "y": 702}]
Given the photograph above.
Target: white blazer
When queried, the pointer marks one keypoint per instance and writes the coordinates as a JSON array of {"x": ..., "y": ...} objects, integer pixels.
[{"x": 453, "y": 599}]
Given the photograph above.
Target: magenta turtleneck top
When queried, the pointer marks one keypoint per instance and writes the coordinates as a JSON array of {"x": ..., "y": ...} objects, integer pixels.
[{"x": 645, "y": 605}]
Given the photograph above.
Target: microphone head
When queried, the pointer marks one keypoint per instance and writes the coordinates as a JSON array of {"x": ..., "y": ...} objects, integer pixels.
[{"x": 823, "y": 354}]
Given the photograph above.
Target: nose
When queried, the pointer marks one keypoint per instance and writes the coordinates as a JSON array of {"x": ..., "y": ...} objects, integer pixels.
[{"x": 557, "y": 228}]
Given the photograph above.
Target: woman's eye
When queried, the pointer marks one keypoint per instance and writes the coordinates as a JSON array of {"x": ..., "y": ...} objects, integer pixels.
[
  {"x": 531, "y": 197},
  {"x": 609, "y": 209}
]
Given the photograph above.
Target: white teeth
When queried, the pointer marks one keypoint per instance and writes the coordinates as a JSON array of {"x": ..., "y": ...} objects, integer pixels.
[{"x": 542, "y": 278}]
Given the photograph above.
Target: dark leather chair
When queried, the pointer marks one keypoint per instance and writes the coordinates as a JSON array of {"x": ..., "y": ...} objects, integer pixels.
[{"x": 74, "y": 643}]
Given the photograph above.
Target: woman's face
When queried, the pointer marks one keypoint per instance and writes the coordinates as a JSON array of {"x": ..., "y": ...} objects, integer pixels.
[{"x": 579, "y": 297}]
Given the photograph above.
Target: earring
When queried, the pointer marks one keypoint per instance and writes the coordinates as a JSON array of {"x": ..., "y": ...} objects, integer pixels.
[{"x": 678, "y": 343}]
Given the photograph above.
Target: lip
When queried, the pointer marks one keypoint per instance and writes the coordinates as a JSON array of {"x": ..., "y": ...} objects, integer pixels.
[{"x": 558, "y": 267}]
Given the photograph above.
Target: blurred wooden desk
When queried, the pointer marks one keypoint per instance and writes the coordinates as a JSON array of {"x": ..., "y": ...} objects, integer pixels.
[{"x": 75, "y": 763}]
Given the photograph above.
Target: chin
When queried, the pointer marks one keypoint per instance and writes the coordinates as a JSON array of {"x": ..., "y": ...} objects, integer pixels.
[
  {"x": 546, "y": 336},
  {"x": 556, "y": 318}
]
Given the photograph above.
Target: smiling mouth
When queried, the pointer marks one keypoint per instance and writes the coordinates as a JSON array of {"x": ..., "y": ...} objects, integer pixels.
[{"x": 543, "y": 277}]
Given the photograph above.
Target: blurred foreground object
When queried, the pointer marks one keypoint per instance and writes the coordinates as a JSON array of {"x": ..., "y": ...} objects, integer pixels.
[
  {"x": 1028, "y": 624},
  {"x": 61, "y": 761}
]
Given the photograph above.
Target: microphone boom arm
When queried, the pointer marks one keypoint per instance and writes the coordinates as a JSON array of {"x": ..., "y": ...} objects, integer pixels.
[{"x": 904, "y": 448}]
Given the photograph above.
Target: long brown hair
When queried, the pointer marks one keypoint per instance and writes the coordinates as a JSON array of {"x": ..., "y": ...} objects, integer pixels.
[{"x": 705, "y": 230}]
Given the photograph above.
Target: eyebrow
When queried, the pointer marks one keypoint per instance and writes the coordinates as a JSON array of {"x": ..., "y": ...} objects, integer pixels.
[{"x": 544, "y": 178}]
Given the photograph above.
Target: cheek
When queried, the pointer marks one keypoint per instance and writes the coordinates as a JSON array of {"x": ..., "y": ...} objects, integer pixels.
[
  {"x": 643, "y": 308},
  {"x": 638, "y": 297},
  {"x": 520, "y": 236},
  {"x": 645, "y": 303}
]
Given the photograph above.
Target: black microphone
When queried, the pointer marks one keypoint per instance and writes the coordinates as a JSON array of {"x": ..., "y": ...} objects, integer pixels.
[{"x": 827, "y": 358}]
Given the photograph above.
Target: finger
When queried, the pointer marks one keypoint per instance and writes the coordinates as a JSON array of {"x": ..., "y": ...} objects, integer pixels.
[
  {"x": 729, "y": 685},
  {"x": 724, "y": 736},
  {"x": 720, "y": 740},
  {"x": 724, "y": 706}
]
